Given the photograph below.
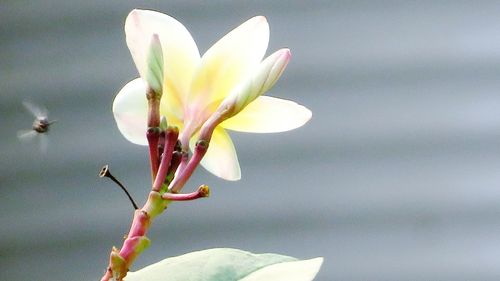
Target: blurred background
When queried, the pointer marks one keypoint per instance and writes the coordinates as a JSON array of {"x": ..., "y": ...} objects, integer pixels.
[{"x": 396, "y": 177}]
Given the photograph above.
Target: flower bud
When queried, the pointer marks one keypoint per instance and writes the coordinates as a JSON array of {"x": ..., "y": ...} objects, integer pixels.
[
  {"x": 163, "y": 123},
  {"x": 268, "y": 72},
  {"x": 271, "y": 69},
  {"x": 154, "y": 71}
]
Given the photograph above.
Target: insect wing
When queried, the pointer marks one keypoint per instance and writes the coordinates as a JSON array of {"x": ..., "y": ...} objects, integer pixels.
[
  {"x": 25, "y": 135},
  {"x": 39, "y": 112}
]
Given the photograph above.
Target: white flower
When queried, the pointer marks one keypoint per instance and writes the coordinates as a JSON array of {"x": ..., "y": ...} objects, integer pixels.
[{"x": 231, "y": 75}]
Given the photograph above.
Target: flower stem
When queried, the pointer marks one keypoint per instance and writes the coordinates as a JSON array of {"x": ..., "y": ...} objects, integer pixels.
[
  {"x": 170, "y": 140},
  {"x": 173, "y": 161},
  {"x": 153, "y": 133},
  {"x": 136, "y": 240},
  {"x": 203, "y": 191},
  {"x": 180, "y": 180},
  {"x": 153, "y": 137},
  {"x": 186, "y": 170}
]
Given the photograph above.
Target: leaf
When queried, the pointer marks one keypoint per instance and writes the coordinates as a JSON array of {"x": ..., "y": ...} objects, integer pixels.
[{"x": 225, "y": 264}]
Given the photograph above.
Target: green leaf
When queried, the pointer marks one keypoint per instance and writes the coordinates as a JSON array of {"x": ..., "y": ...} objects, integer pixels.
[{"x": 224, "y": 264}]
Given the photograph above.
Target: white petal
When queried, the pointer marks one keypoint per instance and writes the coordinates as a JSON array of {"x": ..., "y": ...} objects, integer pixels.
[
  {"x": 180, "y": 53},
  {"x": 269, "y": 115},
  {"x": 304, "y": 270},
  {"x": 231, "y": 60},
  {"x": 221, "y": 159},
  {"x": 130, "y": 108}
]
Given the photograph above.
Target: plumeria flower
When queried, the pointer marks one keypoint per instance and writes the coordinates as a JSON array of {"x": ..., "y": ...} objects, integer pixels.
[{"x": 229, "y": 79}]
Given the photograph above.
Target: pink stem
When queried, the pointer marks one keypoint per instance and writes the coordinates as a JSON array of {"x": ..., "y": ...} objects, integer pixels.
[
  {"x": 203, "y": 191},
  {"x": 183, "y": 162},
  {"x": 135, "y": 240},
  {"x": 170, "y": 139},
  {"x": 184, "y": 139},
  {"x": 175, "y": 162},
  {"x": 153, "y": 136},
  {"x": 153, "y": 133},
  {"x": 108, "y": 275},
  {"x": 181, "y": 179},
  {"x": 200, "y": 150}
]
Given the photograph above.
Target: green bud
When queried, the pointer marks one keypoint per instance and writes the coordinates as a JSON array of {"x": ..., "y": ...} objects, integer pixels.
[{"x": 154, "y": 74}]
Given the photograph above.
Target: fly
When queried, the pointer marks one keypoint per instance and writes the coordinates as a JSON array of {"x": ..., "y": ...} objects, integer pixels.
[{"x": 40, "y": 126}]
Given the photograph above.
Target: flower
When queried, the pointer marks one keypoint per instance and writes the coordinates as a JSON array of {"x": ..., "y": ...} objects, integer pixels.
[{"x": 229, "y": 78}]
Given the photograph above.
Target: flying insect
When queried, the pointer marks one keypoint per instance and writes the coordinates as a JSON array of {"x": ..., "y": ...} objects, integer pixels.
[{"x": 40, "y": 126}]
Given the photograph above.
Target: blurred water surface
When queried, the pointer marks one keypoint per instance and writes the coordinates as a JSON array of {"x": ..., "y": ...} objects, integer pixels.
[{"x": 396, "y": 177}]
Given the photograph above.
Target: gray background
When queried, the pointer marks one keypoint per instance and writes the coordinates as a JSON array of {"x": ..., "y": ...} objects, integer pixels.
[{"x": 396, "y": 177}]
